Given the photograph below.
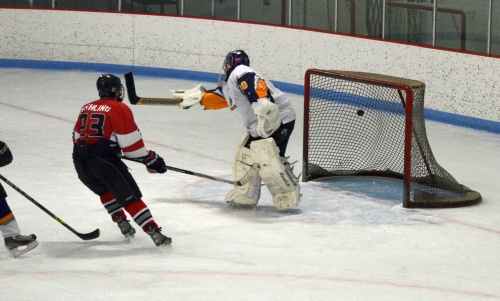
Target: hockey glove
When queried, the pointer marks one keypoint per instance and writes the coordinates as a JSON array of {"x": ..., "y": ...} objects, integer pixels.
[
  {"x": 5, "y": 154},
  {"x": 154, "y": 163},
  {"x": 189, "y": 97},
  {"x": 268, "y": 117}
]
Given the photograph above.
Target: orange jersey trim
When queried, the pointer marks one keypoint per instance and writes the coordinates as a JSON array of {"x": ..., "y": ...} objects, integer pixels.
[
  {"x": 261, "y": 89},
  {"x": 213, "y": 101},
  {"x": 6, "y": 219}
]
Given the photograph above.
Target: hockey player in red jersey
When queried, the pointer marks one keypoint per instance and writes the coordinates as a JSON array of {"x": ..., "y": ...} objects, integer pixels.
[
  {"x": 105, "y": 130},
  {"x": 269, "y": 118},
  {"x": 15, "y": 243}
]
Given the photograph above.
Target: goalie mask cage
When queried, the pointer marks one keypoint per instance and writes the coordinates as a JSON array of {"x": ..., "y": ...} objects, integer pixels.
[{"x": 366, "y": 124}]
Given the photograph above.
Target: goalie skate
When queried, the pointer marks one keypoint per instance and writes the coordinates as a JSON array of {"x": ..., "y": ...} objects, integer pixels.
[{"x": 20, "y": 244}]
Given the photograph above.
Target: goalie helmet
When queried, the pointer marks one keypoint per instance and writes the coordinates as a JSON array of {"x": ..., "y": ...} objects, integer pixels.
[
  {"x": 109, "y": 85},
  {"x": 233, "y": 59}
]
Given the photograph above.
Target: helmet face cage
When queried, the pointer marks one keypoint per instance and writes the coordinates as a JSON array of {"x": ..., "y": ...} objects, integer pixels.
[
  {"x": 109, "y": 85},
  {"x": 233, "y": 59}
]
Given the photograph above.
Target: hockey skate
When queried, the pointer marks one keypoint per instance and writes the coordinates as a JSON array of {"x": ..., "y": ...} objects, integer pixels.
[
  {"x": 124, "y": 225},
  {"x": 20, "y": 244},
  {"x": 158, "y": 238}
]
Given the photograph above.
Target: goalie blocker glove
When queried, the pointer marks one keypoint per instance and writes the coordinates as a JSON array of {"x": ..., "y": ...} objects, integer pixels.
[
  {"x": 268, "y": 117},
  {"x": 189, "y": 97},
  {"x": 154, "y": 163}
]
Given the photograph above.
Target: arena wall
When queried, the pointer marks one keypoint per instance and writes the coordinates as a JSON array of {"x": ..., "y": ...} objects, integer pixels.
[{"x": 457, "y": 84}]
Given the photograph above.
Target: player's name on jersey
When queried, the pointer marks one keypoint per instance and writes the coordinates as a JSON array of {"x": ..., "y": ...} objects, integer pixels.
[{"x": 96, "y": 108}]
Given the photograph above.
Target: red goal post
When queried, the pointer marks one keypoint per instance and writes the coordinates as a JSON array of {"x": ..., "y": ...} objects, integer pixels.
[{"x": 367, "y": 124}]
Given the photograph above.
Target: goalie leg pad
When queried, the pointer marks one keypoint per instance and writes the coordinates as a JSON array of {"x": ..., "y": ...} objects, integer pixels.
[
  {"x": 277, "y": 174},
  {"x": 243, "y": 168}
]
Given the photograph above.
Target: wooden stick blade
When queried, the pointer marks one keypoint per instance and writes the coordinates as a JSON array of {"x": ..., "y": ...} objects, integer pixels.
[{"x": 151, "y": 101}]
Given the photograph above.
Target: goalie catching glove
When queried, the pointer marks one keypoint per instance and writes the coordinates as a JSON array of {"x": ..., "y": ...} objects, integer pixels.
[
  {"x": 268, "y": 117},
  {"x": 154, "y": 163},
  {"x": 189, "y": 97}
]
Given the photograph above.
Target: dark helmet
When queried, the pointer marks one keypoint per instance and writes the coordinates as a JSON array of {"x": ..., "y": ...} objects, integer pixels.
[
  {"x": 234, "y": 58},
  {"x": 109, "y": 85}
]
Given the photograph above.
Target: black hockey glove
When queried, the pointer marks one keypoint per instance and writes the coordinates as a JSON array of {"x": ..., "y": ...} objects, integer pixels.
[
  {"x": 5, "y": 154},
  {"x": 3, "y": 194},
  {"x": 154, "y": 163}
]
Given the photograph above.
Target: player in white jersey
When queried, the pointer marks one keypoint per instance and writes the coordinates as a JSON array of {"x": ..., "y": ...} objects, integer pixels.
[{"x": 269, "y": 118}]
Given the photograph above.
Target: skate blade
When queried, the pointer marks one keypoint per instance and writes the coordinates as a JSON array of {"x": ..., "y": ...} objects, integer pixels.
[
  {"x": 17, "y": 251},
  {"x": 166, "y": 244},
  {"x": 129, "y": 238}
]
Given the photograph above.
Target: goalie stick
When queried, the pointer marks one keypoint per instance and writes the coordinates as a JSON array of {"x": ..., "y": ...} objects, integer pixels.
[
  {"x": 241, "y": 182},
  {"x": 85, "y": 236},
  {"x": 154, "y": 101}
]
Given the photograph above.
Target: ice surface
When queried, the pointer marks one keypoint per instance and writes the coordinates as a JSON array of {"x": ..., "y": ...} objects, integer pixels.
[{"x": 350, "y": 240}]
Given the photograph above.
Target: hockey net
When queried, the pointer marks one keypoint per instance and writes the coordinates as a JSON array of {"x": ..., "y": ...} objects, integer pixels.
[{"x": 366, "y": 124}]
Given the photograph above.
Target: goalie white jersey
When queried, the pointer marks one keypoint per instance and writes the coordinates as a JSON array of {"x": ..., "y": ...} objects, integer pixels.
[{"x": 244, "y": 86}]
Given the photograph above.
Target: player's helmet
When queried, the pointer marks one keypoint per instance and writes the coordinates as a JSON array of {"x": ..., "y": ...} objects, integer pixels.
[
  {"x": 109, "y": 85},
  {"x": 234, "y": 58}
]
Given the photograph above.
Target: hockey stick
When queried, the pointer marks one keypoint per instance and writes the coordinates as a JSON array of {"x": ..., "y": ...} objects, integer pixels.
[
  {"x": 85, "y": 236},
  {"x": 136, "y": 100},
  {"x": 241, "y": 182}
]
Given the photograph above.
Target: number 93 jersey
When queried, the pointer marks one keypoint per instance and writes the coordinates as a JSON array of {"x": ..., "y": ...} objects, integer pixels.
[{"x": 112, "y": 120}]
